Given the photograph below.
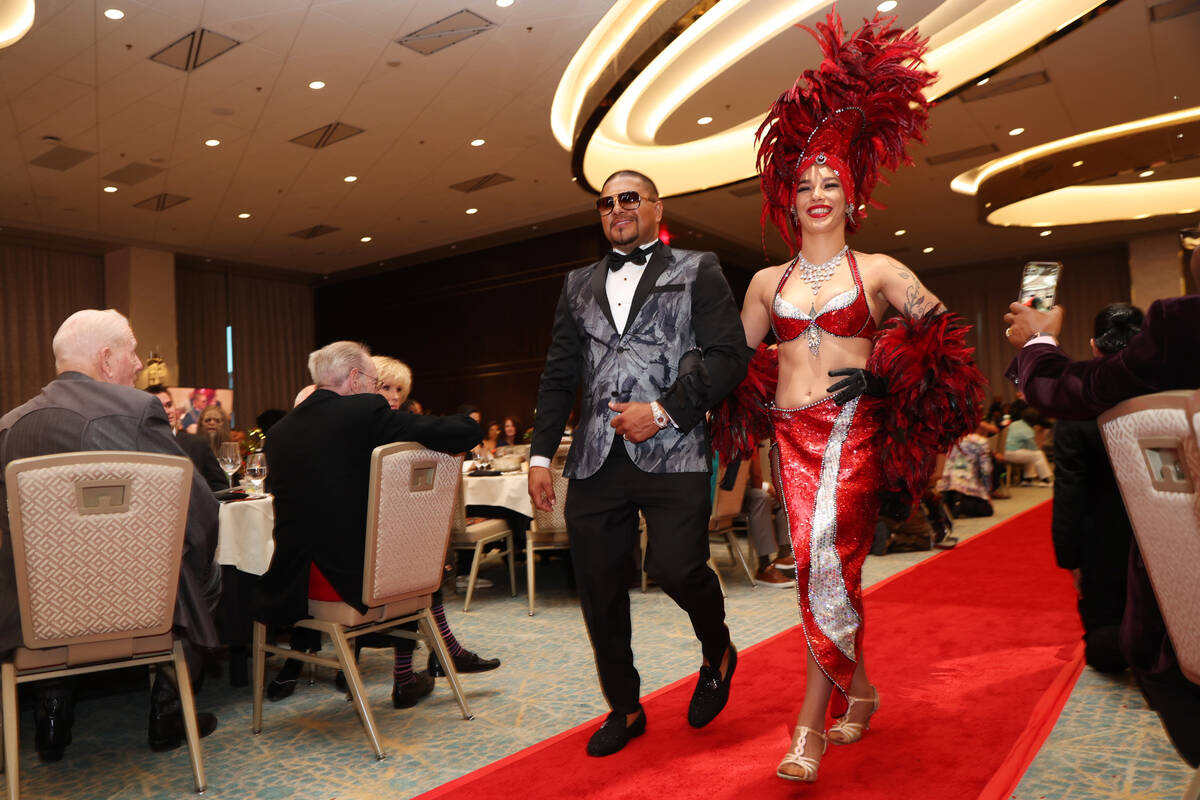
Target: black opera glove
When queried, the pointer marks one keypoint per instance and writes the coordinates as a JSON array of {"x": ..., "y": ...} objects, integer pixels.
[
  {"x": 693, "y": 379},
  {"x": 855, "y": 382}
]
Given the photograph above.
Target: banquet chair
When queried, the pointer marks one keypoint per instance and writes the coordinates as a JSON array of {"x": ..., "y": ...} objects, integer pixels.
[
  {"x": 97, "y": 539},
  {"x": 409, "y": 510},
  {"x": 1155, "y": 453},
  {"x": 726, "y": 508},
  {"x": 475, "y": 534},
  {"x": 548, "y": 531}
]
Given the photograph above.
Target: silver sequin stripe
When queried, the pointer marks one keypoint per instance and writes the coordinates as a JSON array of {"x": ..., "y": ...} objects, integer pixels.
[{"x": 827, "y": 596}]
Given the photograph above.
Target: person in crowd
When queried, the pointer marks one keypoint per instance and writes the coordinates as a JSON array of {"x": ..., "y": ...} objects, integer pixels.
[
  {"x": 510, "y": 432},
  {"x": 92, "y": 405},
  {"x": 768, "y": 531},
  {"x": 1160, "y": 357},
  {"x": 490, "y": 441},
  {"x": 200, "y": 400},
  {"x": 622, "y": 328},
  {"x": 395, "y": 380},
  {"x": 966, "y": 481},
  {"x": 820, "y": 151},
  {"x": 412, "y": 406},
  {"x": 322, "y": 450},
  {"x": 1092, "y": 534},
  {"x": 1021, "y": 448},
  {"x": 214, "y": 426},
  {"x": 471, "y": 411},
  {"x": 194, "y": 447}
]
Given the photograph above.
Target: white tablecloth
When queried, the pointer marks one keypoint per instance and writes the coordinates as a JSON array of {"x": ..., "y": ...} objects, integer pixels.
[
  {"x": 510, "y": 491},
  {"x": 246, "y": 537}
]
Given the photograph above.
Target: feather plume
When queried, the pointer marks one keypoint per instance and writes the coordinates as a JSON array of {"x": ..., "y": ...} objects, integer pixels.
[{"x": 740, "y": 421}]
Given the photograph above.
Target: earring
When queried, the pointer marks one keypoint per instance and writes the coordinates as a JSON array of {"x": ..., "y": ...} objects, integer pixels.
[{"x": 795, "y": 217}]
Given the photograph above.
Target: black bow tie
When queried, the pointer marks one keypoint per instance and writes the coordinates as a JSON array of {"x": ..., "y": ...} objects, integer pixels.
[{"x": 638, "y": 256}]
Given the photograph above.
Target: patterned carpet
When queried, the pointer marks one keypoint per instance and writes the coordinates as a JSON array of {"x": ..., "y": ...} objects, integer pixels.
[{"x": 1106, "y": 745}]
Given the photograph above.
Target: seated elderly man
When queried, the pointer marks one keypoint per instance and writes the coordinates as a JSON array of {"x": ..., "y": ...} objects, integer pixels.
[
  {"x": 320, "y": 457},
  {"x": 92, "y": 405}
]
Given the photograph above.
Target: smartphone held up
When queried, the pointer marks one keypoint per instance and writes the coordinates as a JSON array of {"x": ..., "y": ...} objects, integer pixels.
[{"x": 1039, "y": 284}]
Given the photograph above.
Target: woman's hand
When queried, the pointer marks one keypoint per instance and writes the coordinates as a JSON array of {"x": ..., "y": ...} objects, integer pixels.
[{"x": 855, "y": 383}]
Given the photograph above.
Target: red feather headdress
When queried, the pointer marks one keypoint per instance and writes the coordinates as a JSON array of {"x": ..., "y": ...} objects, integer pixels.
[{"x": 855, "y": 113}]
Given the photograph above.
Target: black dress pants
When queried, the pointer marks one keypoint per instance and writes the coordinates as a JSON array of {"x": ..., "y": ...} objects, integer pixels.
[{"x": 601, "y": 513}]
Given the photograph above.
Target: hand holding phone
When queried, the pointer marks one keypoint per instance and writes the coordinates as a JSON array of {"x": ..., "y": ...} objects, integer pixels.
[{"x": 1039, "y": 284}]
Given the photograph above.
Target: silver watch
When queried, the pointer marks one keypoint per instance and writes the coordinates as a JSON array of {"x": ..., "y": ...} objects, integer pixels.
[{"x": 660, "y": 417}]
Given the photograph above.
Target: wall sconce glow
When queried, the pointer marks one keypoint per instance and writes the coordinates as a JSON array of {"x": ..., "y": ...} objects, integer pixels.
[
  {"x": 1146, "y": 173},
  {"x": 110, "y": 189},
  {"x": 927, "y": 250},
  {"x": 886, "y": 6},
  {"x": 1016, "y": 131},
  {"x": 964, "y": 45},
  {"x": 316, "y": 85},
  {"x": 350, "y": 178},
  {"x": 1044, "y": 234},
  {"x": 472, "y": 210},
  {"x": 16, "y": 18},
  {"x": 900, "y": 232},
  {"x": 704, "y": 120},
  {"x": 114, "y": 13},
  {"x": 1186, "y": 211},
  {"x": 244, "y": 215},
  {"x": 478, "y": 142},
  {"x": 364, "y": 239}
]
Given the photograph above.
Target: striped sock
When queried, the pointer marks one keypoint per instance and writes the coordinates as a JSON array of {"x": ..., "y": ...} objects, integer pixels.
[
  {"x": 402, "y": 667},
  {"x": 439, "y": 614}
]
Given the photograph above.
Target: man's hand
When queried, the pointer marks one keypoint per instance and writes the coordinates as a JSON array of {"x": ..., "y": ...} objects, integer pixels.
[
  {"x": 541, "y": 488},
  {"x": 634, "y": 421},
  {"x": 1024, "y": 323}
]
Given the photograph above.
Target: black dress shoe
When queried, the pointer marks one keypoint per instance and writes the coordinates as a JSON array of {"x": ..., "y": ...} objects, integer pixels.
[
  {"x": 53, "y": 716},
  {"x": 284, "y": 683},
  {"x": 407, "y": 695},
  {"x": 614, "y": 734},
  {"x": 466, "y": 661},
  {"x": 712, "y": 692},
  {"x": 166, "y": 731}
]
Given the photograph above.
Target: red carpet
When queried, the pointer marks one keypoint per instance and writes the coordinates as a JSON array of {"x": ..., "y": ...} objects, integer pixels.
[{"x": 974, "y": 653}]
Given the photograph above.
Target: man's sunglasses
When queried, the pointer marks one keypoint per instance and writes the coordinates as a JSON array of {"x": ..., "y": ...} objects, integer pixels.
[{"x": 629, "y": 201}]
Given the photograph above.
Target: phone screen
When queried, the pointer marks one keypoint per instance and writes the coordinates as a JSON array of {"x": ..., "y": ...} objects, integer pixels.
[{"x": 1039, "y": 283}]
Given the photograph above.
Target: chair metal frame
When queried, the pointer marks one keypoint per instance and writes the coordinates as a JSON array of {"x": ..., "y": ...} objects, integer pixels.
[
  {"x": 343, "y": 624},
  {"x": 96, "y": 651},
  {"x": 460, "y": 539},
  {"x": 543, "y": 524}
]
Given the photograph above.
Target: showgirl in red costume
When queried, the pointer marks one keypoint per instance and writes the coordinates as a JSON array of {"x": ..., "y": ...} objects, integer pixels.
[{"x": 906, "y": 391}]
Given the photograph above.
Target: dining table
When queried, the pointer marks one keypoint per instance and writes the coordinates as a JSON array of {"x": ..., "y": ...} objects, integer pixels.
[{"x": 245, "y": 545}]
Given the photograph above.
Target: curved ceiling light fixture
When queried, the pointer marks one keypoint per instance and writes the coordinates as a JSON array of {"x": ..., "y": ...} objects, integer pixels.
[
  {"x": 1041, "y": 186},
  {"x": 16, "y": 18},
  {"x": 643, "y": 61}
]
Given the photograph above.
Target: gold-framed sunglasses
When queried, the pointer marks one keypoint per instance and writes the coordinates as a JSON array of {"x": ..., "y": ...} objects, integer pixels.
[{"x": 629, "y": 201}]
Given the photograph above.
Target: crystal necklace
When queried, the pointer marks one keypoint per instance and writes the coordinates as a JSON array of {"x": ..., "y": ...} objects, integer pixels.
[{"x": 815, "y": 275}]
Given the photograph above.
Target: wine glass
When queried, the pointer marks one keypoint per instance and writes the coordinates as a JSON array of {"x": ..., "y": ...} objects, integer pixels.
[
  {"x": 229, "y": 456},
  {"x": 256, "y": 470}
]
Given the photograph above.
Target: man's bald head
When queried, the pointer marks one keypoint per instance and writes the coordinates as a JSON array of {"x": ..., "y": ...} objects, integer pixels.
[{"x": 100, "y": 344}]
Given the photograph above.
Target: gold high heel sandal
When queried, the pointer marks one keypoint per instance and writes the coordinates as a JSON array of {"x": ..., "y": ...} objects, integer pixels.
[
  {"x": 843, "y": 731},
  {"x": 807, "y": 765}
]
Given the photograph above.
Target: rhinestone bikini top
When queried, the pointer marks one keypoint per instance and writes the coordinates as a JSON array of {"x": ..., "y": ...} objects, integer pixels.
[{"x": 845, "y": 315}]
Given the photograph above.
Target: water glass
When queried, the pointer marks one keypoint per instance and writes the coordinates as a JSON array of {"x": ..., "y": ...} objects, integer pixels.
[
  {"x": 229, "y": 456},
  {"x": 256, "y": 471}
]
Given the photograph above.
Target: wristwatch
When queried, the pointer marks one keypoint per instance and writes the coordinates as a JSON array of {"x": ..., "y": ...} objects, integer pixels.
[{"x": 660, "y": 417}]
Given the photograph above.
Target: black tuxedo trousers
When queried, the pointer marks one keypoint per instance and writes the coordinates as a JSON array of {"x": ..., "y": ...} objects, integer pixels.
[{"x": 602, "y": 515}]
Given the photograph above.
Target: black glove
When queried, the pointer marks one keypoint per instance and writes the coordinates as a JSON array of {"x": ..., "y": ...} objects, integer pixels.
[
  {"x": 693, "y": 379},
  {"x": 856, "y": 382}
]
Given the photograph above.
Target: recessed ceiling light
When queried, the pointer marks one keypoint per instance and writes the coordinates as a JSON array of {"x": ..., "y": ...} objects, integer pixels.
[
  {"x": 927, "y": 250},
  {"x": 1016, "y": 131},
  {"x": 114, "y": 13},
  {"x": 472, "y": 210},
  {"x": 704, "y": 120},
  {"x": 110, "y": 189},
  {"x": 982, "y": 81},
  {"x": 900, "y": 232},
  {"x": 1146, "y": 173},
  {"x": 350, "y": 178},
  {"x": 316, "y": 85},
  {"x": 244, "y": 215},
  {"x": 1045, "y": 233},
  {"x": 988, "y": 204},
  {"x": 1077, "y": 164},
  {"x": 886, "y": 6},
  {"x": 478, "y": 142},
  {"x": 211, "y": 142},
  {"x": 504, "y": 3},
  {"x": 364, "y": 239}
]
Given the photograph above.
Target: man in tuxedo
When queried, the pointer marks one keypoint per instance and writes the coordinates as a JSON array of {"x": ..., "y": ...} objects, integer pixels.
[
  {"x": 92, "y": 405},
  {"x": 655, "y": 336},
  {"x": 1159, "y": 358},
  {"x": 320, "y": 459}
]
